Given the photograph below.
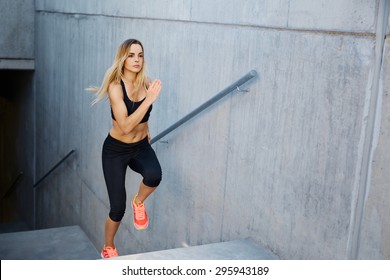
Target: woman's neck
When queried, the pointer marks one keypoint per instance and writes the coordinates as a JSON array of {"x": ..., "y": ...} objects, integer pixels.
[{"x": 129, "y": 77}]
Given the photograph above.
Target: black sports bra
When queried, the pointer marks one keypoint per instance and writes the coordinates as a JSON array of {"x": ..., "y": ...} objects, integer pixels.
[{"x": 132, "y": 106}]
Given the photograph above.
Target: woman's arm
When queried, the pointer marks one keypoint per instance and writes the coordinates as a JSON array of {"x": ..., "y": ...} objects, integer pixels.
[{"x": 128, "y": 123}]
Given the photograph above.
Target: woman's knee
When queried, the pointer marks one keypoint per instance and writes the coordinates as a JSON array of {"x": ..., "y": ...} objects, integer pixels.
[
  {"x": 116, "y": 215},
  {"x": 152, "y": 178}
]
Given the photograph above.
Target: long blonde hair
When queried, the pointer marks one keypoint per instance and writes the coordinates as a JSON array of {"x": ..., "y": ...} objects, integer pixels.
[{"x": 115, "y": 72}]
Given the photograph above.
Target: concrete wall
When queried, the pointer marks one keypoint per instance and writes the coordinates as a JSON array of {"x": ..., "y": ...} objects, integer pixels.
[
  {"x": 375, "y": 241},
  {"x": 17, "y": 34},
  {"x": 280, "y": 164}
]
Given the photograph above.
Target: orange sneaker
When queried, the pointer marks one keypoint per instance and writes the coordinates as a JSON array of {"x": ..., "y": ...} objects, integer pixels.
[
  {"x": 140, "y": 217},
  {"x": 109, "y": 252}
]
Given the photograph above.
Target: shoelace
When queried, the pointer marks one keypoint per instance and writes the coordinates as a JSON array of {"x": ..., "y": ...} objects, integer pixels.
[{"x": 139, "y": 211}]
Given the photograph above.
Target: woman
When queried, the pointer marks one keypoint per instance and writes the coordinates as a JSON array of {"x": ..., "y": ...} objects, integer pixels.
[{"x": 131, "y": 96}]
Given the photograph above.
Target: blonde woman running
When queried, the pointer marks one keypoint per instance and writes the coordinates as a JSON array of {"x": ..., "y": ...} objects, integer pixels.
[{"x": 131, "y": 96}]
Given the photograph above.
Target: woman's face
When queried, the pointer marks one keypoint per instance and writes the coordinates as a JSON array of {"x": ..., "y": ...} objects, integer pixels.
[{"x": 135, "y": 59}]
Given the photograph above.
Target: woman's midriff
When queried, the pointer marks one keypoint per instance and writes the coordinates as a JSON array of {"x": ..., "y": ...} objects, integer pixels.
[{"x": 139, "y": 133}]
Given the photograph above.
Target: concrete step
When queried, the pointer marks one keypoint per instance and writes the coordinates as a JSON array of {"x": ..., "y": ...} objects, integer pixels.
[
  {"x": 64, "y": 243},
  {"x": 71, "y": 243},
  {"x": 231, "y": 250}
]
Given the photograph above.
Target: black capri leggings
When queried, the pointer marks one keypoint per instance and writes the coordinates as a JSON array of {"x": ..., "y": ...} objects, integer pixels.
[{"x": 116, "y": 156}]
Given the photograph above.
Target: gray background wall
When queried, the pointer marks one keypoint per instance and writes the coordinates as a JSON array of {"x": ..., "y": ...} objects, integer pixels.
[
  {"x": 298, "y": 164},
  {"x": 17, "y": 34}
]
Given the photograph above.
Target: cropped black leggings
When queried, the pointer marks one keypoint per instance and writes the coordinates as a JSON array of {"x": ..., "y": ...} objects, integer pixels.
[{"x": 116, "y": 156}]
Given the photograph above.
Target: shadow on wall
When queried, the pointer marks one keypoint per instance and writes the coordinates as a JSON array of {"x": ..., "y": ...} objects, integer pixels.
[{"x": 17, "y": 111}]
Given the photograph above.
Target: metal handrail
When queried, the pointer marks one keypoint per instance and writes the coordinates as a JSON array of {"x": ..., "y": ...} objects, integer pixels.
[
  {"x": 12, "y": 188},
  {"x": 54, "y": 167},
  {"x": 41, "y": 180},
  {"x": 205, "y": 105}
]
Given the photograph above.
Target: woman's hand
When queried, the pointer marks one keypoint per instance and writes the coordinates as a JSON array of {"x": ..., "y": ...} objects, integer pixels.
[{"x": 153, "y": 91}]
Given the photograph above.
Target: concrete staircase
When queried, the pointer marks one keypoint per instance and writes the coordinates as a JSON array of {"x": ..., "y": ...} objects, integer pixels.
[{"x": 53, "y": 244}]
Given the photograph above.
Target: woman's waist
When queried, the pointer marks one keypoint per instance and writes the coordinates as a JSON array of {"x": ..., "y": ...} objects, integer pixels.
[{"x": 137, "y": 135}]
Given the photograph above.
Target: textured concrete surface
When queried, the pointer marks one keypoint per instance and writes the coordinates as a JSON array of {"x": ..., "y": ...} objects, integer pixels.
[
  {"x": 17, "y": 34},
  {"x": 65, "y": 243},
  {"x": 70, "y": 243},
  {"x": 280, "y": 164},
  {"x": 332, "y": 15},
  {"x": 231, "y": 250},
  {"x": 379, "y": 194}
]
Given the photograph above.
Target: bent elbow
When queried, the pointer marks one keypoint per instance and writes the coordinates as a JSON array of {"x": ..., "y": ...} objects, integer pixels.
[{"x": 126, "y": 130}]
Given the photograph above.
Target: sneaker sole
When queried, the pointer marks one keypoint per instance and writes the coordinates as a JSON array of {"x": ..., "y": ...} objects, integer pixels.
[
  {"x": 141, "y": 228},
  {"x": 101, "y": 254}
]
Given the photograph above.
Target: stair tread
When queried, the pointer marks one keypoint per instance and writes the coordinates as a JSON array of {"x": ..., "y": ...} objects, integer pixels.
[
  {"x": 230, "y": 250},
  {"x": 63, "y": 243},
  {"x": 71, "y": 243}
]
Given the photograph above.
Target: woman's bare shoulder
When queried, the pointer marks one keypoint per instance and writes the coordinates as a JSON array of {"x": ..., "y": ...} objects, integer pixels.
[{"x": 114, "y": 88}]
